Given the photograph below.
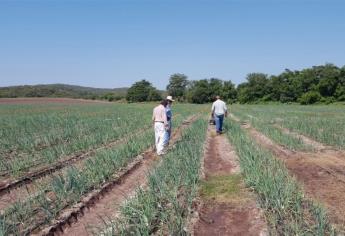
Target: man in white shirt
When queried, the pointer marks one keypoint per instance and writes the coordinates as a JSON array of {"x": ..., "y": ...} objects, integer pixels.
[
  {"x": 160, "y": 122},
  {"x": 219, "y": 110}
]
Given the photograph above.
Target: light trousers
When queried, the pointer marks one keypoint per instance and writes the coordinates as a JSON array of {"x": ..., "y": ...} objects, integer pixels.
[{"x": 159, "y": 136}]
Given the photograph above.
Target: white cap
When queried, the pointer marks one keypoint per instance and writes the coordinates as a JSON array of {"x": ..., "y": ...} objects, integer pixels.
[{"x": 170, "y": 98}]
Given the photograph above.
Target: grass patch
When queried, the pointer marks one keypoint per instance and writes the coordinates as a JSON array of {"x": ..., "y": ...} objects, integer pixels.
[{"x": 224, "y": 189}]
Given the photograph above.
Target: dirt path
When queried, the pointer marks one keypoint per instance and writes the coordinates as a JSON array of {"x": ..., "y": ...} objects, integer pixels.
[
  {"x": 322, "y": 174},
  {"x": 108, "y": 203},
  {"x": 227, "y": 206}
]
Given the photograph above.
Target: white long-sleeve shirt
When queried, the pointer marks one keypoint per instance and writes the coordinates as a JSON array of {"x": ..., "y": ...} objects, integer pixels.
[
  {"x": 159, "y": 114},
  {"x": 219, "y": 107}
]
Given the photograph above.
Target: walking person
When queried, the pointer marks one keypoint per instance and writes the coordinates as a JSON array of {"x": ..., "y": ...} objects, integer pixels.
[
  {"x": 160, "y": 124},
  {"x": 168, "y": 111},
  {"x": 219, "y": 110}
]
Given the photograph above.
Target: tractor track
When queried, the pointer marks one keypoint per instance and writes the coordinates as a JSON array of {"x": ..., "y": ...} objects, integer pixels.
[{"x": 71, "y": 220}]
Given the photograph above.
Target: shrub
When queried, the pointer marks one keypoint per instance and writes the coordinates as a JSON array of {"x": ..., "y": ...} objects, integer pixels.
[
  {"x": 310, "y": 98},
  {"x": 327, "y": 100}
]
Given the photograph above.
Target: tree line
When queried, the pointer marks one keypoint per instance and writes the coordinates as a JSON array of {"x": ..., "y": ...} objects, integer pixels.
[
  {"x": 319, "y": 84},
  {"x": 63, "y": 90},
  {"x": 324, "y": 84}
]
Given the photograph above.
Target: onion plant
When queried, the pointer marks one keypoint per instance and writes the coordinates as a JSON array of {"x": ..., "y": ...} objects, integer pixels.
[
  {"x": 34, "y": 139},
  {"x": 287, "y": 210},
  {"x": 325, "y": 124},
  {"x": 66, "y": 188},
  {"x": 165, "y": 204}
]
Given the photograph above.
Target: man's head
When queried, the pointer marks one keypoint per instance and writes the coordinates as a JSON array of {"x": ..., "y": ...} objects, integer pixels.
[
  {"x": 217, "y": 97},
  {"x": 170, "y": 99},
  {"x": 164, "y": 102}
]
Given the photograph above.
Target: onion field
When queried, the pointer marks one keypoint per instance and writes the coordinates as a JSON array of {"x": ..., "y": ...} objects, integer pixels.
[{"x": 90, "y": 168}]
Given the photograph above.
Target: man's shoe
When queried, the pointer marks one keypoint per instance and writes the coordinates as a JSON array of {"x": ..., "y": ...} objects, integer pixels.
[{"x": 161, "y": 153}]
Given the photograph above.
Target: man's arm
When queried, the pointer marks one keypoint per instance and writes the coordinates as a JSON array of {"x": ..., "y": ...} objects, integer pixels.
[
  {"x": 153, "y": 116},
  {"x": 212, "y": 110},
  {"x": 226, "y": 110}
]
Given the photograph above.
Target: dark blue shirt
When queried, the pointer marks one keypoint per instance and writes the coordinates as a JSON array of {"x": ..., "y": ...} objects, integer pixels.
[{"x": 168, "y": 112}]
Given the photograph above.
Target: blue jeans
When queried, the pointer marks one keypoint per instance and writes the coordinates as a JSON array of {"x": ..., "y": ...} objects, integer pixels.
[
  {"x": 219, "y": 123},
  {"x": 167, "y": 134}
]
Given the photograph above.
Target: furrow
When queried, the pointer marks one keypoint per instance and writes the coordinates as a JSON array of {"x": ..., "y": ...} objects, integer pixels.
[
  {"x": 71, "y": 221},
  {"x": 24, "y": 182}
]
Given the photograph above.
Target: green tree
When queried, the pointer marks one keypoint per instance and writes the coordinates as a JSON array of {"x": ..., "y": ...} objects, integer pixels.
[
  {"x": 142, "y": 91},
  {"x": 340, "y": 90},
  {"x": 282, "y": 87},
  {"x": 229, "y": 92},
  {"x": 243, "y": 95},
  {"x": 310, "y": 98},
  {"x": 215, "y": 87},
  {"x": 205, "y": 91},
  {"x": 154, "y": 95},
  {"x": 329, "y": 79},
  {"x": 254, "y": 89},
  {"x": 198, "y": 91},
  {"x": 177, "y": 86}
]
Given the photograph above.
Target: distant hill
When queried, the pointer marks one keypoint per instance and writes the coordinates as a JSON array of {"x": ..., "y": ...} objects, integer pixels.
[{"x": 62, "y": 90}]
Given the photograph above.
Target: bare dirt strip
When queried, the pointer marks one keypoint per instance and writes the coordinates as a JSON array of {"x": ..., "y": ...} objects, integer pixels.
[
  {"x": 106, "y": 201},
  {"x": 319, "y": 147},
  {"x": 322, "y": 174},
  {"x": 227, "y": 207},
  {"x": 12, "y": 190}
]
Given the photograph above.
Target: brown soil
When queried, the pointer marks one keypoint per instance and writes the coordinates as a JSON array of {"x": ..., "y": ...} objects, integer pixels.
[
  {"x": 224, "y": 219},
  {"x": 278, "y": 150},
  {"x": 319, "y": 147},
  {"x": 219, "y": 157},
  {"x": 47, "y": 100},
  {"x": 108, "y": 204},
  {"x": 324, "y": 182},
  {"x": 238, "y": 215},
  {"x": 322, "y": 174}
]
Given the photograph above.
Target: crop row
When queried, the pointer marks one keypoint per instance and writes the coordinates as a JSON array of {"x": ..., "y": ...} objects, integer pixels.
[
  {"x": 31, "y": 132},
  {"x": 275, "y": 133},
  {"x": 287, "y": 210},
  {"x": 75, "y": 132},
  {"x": 78, "y": 134},
  {"x": 164, "y": 205},
  {"x": 67, "y": 187},
  {"x": 325, "y": 124}
]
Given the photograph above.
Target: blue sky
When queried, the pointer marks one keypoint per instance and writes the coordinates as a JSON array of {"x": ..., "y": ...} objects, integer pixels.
[{"x": 110, "y": 44}]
